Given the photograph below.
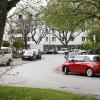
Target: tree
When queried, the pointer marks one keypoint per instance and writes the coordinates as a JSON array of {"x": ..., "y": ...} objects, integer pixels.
[
  {"x": 23, "y": 26},
  {"x": 94, "y": 39},
  {"x": 5, "y": 6},
  {"x": 94, "y": 34},
  {"x": 87, "y": 10},
  {"x": 18, "y": 43},
  {"x": 72, "y": 15},
  {"x": 6, "y": 44},
  {"x": 56, "y": 17},
  {"x": 30, "y": 24},
  {"x": 86, "y": 45},
  {"x": 38, "y": 29}
]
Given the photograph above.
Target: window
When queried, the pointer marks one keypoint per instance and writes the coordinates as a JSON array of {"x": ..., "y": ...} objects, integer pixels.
[
  {"x": 62, "y": 38},
  {"x": 46, "y": 38},
  {"x": 87, "y": 59},
  {"x": 96, "y": 58},
  {"x": 83, "y": 39},
  {"x": 19, "y": 16},
  {"x": 53, "y": 38},
  {"x": 79, "y": 58},
  {"x": 72, "y": 38},
  {"x": 29, "y": 38},
  {"x": 5, "y": 51}
]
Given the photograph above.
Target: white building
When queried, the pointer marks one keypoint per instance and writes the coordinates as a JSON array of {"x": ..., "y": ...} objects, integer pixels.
[{"x": 49, "y": 41}]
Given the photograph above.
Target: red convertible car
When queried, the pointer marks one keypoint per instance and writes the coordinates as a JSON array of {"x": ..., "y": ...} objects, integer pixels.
[{"x": 84, "y": 64}]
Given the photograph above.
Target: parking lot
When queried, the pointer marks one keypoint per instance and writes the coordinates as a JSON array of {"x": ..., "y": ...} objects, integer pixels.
[{"x": 46, "y": 73}]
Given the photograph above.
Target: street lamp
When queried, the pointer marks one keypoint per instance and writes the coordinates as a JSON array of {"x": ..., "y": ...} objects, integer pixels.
[
  {"x": 48, "y": 32},
  {"x": 94, "y": 38},
  {"x": 94, "y": 41}
]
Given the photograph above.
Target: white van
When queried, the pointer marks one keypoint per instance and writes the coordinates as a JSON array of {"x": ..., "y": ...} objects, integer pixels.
[
  {"x": 63, "y": 51},
  {"x": 5, "y": 55}
]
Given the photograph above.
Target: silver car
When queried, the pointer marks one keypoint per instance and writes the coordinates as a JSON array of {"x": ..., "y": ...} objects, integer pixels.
[{"x": 31, "y": 54}]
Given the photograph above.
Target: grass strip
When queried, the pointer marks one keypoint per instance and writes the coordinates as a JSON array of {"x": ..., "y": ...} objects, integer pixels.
[{"x": 20, "y": 93}]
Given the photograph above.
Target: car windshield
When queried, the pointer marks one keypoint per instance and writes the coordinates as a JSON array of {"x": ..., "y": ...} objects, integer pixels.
[
  {"x": 96, "y": 58},
  {"x": 28, "y": 52},
  {"x": 71, "y": 55}
]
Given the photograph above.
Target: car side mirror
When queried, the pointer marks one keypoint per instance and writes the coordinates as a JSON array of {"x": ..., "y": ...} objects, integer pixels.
[
  {"x": 72, "y": 60},
  {"x": 66, "y": 57}
]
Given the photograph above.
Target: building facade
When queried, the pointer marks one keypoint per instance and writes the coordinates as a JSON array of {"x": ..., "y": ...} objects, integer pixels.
[{"x": 49, "y": 41}]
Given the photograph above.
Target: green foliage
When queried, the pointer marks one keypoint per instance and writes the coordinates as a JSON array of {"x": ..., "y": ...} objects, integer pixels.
[
  {"x": 25, "y": 25},
  {"x": 15, "y": 93},
  {"x": 92, "y": 44},
  {"x": 97, "y": 36},
  {"x": 16, "y": 54},
  {"x": 72, "y": 15},
  {"x": 86, "y": 46},
  {"x": 58, "y": 16},
  {"x": 18, "y": 43},
  {"x": 97, "y": 48},
  {"x": 6, "y": 44}
]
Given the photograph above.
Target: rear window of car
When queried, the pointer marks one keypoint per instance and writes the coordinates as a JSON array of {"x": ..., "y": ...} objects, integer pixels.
[
  {"x": 6, "y": 51},
  {"x": 79, "y": 58},
  {"x": 71, "y": 55},
  {"x": 96, "y": 58}
]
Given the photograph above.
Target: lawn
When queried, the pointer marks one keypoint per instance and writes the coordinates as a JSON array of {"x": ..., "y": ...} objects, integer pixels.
[{"x": 18, "y": 93}]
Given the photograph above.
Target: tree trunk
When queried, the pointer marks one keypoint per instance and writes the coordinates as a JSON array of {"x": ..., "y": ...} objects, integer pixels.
[
  {"x": 3, "y": 15},
  {"x": 25, "y": 40}
]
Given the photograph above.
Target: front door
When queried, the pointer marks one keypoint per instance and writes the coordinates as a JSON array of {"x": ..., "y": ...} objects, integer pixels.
[{"x": 76, "y": 65}]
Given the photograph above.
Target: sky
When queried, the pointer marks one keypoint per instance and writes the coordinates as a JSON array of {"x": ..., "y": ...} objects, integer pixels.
[{"x": 27, "y": 3}]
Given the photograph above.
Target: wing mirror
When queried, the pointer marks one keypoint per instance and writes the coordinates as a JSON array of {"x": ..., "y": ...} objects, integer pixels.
[
  {"x": 72, "y": 60},
  {"x": 66, "y": 57}
]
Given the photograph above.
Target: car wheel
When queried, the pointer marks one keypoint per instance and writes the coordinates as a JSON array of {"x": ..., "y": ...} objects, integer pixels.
[
  {"x": 23, "y": 58},
  {"x": 34, "y": 57},
  {"x": 66, "y": 70},
  {"x": 40, "y": 57},
  {"x": 9, "y": 62},
  {"x": 89, "y": 72}
]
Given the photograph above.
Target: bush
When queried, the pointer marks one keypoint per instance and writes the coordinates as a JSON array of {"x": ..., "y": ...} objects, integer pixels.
[
  {"x": 6, "y": 44},
  {"x": 15, "y": 54},
  {"x": 18, "y": 43}
]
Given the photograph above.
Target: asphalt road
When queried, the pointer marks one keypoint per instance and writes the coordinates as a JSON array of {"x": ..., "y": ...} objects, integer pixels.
[{"x": 46, "y": 73}]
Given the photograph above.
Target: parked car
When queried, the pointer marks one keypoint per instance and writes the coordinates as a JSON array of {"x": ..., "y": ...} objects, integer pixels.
[
  {"x": 5, "y": 55},
  {"x": 85, "y": 64},
  {"x": 38, "y": 53},
  {"x": 63, "y": 51},
  {"x": 71, "y": 55},
  {"x": 31, "y": 54},
  {"x": 50, "y": 52}
]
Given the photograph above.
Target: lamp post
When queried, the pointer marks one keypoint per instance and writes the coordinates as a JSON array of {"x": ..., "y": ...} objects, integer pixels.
[
  {"x": 94, "y": 41},
  {"x": 94, "y": 38},
  {"x": 48, "y": 32}
]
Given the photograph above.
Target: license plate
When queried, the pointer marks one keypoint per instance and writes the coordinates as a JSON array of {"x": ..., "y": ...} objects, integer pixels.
[{"x": 26, "y": 57}]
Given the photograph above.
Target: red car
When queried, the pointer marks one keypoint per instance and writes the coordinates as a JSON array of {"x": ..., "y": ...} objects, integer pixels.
[{"x": 85, "y": 64}]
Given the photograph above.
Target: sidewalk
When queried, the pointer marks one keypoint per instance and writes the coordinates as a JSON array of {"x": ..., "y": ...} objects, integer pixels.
[{"x": 19, "y": 61}]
